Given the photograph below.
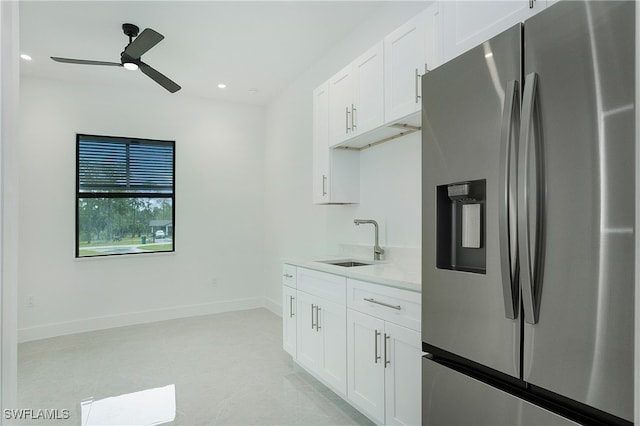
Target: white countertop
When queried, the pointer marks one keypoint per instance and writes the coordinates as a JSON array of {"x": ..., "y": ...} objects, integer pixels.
[{"x": 405, "y": 275}]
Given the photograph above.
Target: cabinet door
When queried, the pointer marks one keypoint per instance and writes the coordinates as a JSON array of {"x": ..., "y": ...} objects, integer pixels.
[
  {"x": 366, "y": 364},
  {"x": 336, "y": 173},
  {"x": 340, "y": 101},
  {"x": 368, "y": 90},
  {"x": 331, "y": 320},
  {"x": 432, "y": 17},
  {"x": 402, "y": 353},
  {"x": 321, "y": 176},
  {"x": 469, "y": 23},
  {"x": 409, "y": 52},
  {"x": 309, "y": 341},
  {"x": 289, "y": 319},
  {"x": 404, "y": 54}
]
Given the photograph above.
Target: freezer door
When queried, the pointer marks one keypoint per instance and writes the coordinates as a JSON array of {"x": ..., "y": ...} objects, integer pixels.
[
  {"x": 581, "y": 205},
  {"x": 468, "y": 104},
  {"x": 452, "y": 398}
]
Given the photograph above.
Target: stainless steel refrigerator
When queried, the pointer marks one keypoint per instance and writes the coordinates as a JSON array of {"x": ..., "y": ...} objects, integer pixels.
[{"x": 528, "y": 224}]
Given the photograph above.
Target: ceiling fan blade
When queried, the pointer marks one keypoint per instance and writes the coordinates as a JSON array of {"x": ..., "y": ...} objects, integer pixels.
[
  {"x": 159, "y": 78},
  {"x": 141, "y": 44},
  {"x": 85, "y": 62}
]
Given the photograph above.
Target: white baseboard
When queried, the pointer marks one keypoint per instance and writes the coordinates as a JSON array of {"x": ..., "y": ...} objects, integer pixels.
[
  {"x": 99, "y": 323},
  {"x": 273, "y": 306}
]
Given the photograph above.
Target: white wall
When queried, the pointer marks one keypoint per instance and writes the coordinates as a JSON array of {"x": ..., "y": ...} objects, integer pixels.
[
  {"x": 9, "y": 77},
  {"x": 390, "y": 173},
  {"x": 219, "y": 203}
]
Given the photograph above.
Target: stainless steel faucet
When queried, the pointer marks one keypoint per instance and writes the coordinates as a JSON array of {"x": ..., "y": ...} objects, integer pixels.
[{"x": 377, "y": 250}]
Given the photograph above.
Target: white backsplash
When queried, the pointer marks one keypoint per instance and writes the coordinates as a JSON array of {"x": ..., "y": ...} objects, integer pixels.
[{"x": 409, "y": 257}]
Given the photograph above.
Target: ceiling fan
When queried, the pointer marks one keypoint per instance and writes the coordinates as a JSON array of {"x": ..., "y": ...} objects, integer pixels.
[{"x": 131, "y": 57}]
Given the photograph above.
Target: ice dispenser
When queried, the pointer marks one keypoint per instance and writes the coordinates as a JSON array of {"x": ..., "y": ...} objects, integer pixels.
[{"x": 461, "y": 226}]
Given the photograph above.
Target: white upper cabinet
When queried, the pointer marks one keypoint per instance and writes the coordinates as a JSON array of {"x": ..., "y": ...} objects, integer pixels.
[
  {"x": 374, "y": 99},
  {"x": 341, "y": 105},
  {"x": 409, "y": 51},
  {"x": 356, "y": 101},
  {"x": 368, "y": 91},
  {"x": 321, "y": 144},
  {"x": 469, "y": 23},
  {"x": 432, "y": 16},
  {"x": 335, "y": 172}
]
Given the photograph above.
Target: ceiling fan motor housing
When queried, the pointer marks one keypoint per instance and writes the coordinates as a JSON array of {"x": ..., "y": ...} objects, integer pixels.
[{"x": 130, "y": 30}]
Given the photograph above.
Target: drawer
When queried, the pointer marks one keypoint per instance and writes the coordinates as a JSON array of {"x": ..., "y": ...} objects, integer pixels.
[
  {"x": 402, "y": 307},
  {"x": 327, "y": 286},
  {"x": 289, "y": 275}
]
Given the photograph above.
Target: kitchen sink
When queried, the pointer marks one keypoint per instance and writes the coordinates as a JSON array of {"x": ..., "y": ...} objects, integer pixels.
[{"x": 346, "y": 263}]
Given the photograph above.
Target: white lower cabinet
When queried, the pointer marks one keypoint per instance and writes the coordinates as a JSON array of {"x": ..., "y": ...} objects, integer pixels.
[
  {"x": 365, "y": 363},
  {"x": 309, "y": 339},
  {"x": 289, "y": 319},
  {"x": 383, "y": 358},
  {"x": 403, "y": 388},
  {"x": 289, "y": 312},
  {"x": 360, "y": 339},
  {"x": 321, "y": 331}
]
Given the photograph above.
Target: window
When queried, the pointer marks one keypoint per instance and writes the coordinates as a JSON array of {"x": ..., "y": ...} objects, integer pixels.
[{"x": 125, "y": 200}]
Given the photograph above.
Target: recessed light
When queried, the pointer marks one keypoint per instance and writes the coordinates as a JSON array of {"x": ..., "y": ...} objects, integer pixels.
[
  {"x": 26, "y": 57},
  {"x": 222, "y": 86}
]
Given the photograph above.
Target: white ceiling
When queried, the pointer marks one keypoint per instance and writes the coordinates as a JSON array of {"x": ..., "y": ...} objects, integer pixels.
[{"x": 263, "y": 45}]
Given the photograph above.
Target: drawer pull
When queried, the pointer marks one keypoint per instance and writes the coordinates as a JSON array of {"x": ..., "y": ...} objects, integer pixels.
[
  {"x": 398, "y": 307},
  {"x": 288, "y": 276}
]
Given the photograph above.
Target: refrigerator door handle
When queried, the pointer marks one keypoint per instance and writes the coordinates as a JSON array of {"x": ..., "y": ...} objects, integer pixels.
[
  {"x": 527, "y": 264},
  {"x": 506, "y": 213}
]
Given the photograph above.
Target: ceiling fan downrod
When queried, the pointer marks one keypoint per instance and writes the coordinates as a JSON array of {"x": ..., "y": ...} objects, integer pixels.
[{"x": 131, "y": 31}]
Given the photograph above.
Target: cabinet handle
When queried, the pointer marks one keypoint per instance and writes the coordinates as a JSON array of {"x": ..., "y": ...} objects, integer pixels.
[
  {"x": 313, "y": 325},
  {"x": 346, "y": 121},
  {"x": 324, "y": 185},
  {"x": 386, "y": 361},
  {"x": 291, "y": 306},
  {"x": 417, "y": 90},
  {"x": 398, "y": 307},
  {"x": 353, "y": 118},
  {"x": 531, "y": 4},
  {"x": 288, "y": 276},
  {"x": 318, "y": 309},
  {"x": 376, "y": 357}
]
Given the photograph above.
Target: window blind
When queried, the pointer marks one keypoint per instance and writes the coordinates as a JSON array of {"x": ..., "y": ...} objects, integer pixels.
[{"x": 125, "y": 165}]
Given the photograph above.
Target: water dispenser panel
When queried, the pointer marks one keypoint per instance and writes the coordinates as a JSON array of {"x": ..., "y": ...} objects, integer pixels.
[{"x": 461, "y": 226}]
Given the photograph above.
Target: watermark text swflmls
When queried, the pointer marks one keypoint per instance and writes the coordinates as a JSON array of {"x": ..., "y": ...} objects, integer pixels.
[{"x": 36, "y": 414}]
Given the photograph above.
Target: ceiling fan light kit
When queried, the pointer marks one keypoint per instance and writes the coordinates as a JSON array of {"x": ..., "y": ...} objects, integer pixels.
[{"x": 131, "y": 57}]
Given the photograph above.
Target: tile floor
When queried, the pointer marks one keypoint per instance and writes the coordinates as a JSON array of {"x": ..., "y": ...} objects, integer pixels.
[{"x": 216, "y": 369}]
